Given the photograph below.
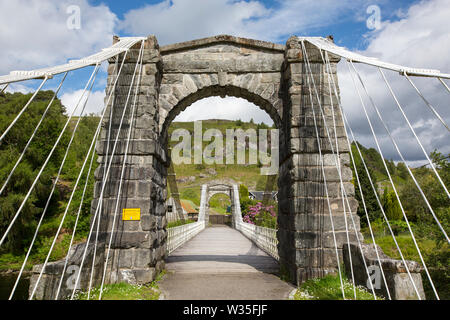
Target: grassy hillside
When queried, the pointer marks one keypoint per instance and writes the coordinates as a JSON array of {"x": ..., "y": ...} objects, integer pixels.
[{"x": 190, "y": 177}]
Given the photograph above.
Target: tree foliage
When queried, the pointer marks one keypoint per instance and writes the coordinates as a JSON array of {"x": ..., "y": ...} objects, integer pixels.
[{"x": 10, "y": 149}]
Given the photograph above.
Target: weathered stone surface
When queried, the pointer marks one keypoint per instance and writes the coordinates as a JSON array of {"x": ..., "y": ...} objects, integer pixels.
[{"x": 393, "y": 271}]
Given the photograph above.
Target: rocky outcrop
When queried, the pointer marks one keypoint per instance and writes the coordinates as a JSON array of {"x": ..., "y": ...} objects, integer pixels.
[{"x": 397, "y": 279}]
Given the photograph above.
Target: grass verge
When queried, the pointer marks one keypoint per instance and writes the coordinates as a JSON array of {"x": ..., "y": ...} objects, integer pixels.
[
  {"x": 125, "y": 291},
  {"x": 329, "y": 288}
]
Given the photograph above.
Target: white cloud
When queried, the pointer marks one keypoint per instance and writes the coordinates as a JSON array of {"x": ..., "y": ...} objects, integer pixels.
[
  {"x": 180, "y": 20},
  {"x": 18, "y": 87},
  {"x": 230, "y": 108},
  {"x": 420, "y": 39},
  {"x": 34, "y": 33},
  {"x": 39, "y": 37},
  {"x": 95, "y": 103}
]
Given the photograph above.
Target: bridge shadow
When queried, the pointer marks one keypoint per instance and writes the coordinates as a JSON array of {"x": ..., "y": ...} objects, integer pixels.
[{"x": 262, "y": 264}]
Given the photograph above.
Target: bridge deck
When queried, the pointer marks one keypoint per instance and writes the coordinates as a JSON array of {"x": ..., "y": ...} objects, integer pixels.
[{"x": 221, "y": 264}]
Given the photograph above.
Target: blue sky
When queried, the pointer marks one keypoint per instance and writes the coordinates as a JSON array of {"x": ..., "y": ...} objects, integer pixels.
[{"x": 412, "y": 33}]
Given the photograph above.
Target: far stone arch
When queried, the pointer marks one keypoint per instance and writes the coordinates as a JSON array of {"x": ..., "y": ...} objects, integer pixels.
[
  {"x": 273, "y": 76},
  {"x": 219, "y": 187}
]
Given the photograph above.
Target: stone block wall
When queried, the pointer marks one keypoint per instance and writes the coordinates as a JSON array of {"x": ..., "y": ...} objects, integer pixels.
[
  {"x": 306, "y": 245},
  {"x": 138, "y": 248}
]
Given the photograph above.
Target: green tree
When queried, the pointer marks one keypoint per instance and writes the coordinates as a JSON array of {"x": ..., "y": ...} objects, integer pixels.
[
  {"x": 373, "y": 209},
  {"x": 23, "y": 177},
  {"x": 391, "y": 206},
  {"x": 243, "y": 192},
  {"x": 402, "y": 171}
]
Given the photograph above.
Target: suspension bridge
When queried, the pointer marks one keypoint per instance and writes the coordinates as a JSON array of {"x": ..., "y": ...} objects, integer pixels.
[{"x": 296, "y": 84}]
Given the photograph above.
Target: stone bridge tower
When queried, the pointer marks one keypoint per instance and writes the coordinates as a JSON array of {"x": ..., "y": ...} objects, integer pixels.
[{"x": 270, "y": 75}]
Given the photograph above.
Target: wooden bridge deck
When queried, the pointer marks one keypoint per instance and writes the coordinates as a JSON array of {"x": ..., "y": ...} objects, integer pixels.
[{"x": 221, "y": 264}]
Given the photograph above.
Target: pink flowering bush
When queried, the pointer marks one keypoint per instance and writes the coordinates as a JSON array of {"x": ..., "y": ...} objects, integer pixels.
[{"x": 260, "y": 215}]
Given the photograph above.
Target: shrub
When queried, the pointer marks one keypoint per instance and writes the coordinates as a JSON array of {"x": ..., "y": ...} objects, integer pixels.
[{"x": 260, "y": 215}]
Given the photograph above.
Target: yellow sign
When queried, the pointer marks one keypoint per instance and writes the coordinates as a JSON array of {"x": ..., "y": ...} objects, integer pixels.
[{"x": 131, "y": 214}]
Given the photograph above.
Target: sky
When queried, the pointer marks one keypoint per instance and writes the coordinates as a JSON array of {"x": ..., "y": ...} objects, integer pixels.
[{"x": 39, "y": 33}]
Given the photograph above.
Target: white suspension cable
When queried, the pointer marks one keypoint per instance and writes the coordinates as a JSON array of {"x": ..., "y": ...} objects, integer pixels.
[
  {"x": 103, "y": 182},
  {"x": 392, "y": 182},
  {"x": 94, "y": 72},
  {"x": 23, "y": 109},
  {"x": 427, "y": 103},
  {"x": 32, "y": 135},
  {"x": 103, "y": 186},
  {"x": 74, "y": 188},
  {"x": 121, "y": 175},
  {"x": 331, "y": 144},
  {"x": 444, "y": 84},
  {"x": 431, "y": 163},
  {"x": 326, "y": 187},
  {"x": 357, "y": 178},
  {"x": 12, "y": 171},
  {"x": 414, "y": 133},
  {"x": 381, "y": 206},
  {"x": 87, "y": 177},
  {"x": 381, "y": 154},
  {"x": 4, "y": 88},
  {"x": 75, "y": 225},
  {"x": 338, "y": 167},
  {"x": 401, "y": 156},
  {"x": 65, "y": 211}
]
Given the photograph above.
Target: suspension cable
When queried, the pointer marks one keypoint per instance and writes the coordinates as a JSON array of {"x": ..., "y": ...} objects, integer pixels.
[
  {"x": 103, "y": 182},
  {"x": 56, "y": 181},
  {"x": 103, "y": 186},
  {"x": 340, "y": 109},
  {"x": 76, "y": 224},
  {"x": 444, "y": 84},
  {"x": 379, "y": 150},
  {"x": 12, "y": 171},
  {"x": 23, "y": 109},
  {"x": 415, "y": 135},
  {"x": 47, "y": 160},
  {"x": 427, "y": 103},
  {"x": 338, "y": 167},
  {"x": 81, "y": 203},
  {"x": 325, "y": 184},
  {"x": 390, "y": 178},
  {"x": 121, "y": 176},
  {"x": 4, "y": 88},
  {"x": 401, "y": 156},
  {"x": 32, "y": 135}
]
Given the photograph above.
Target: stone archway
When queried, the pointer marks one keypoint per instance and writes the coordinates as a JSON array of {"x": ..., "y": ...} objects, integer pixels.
[
  {"x": 270, "y": 75},
  {"x": 214, "y": 188}
]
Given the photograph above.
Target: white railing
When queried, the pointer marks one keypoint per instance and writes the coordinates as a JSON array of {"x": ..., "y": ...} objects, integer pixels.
[
  {"x": 178, "y": 236},
  {"x": 202, "y": 210},
  {"x": 264, "y": 238}
]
